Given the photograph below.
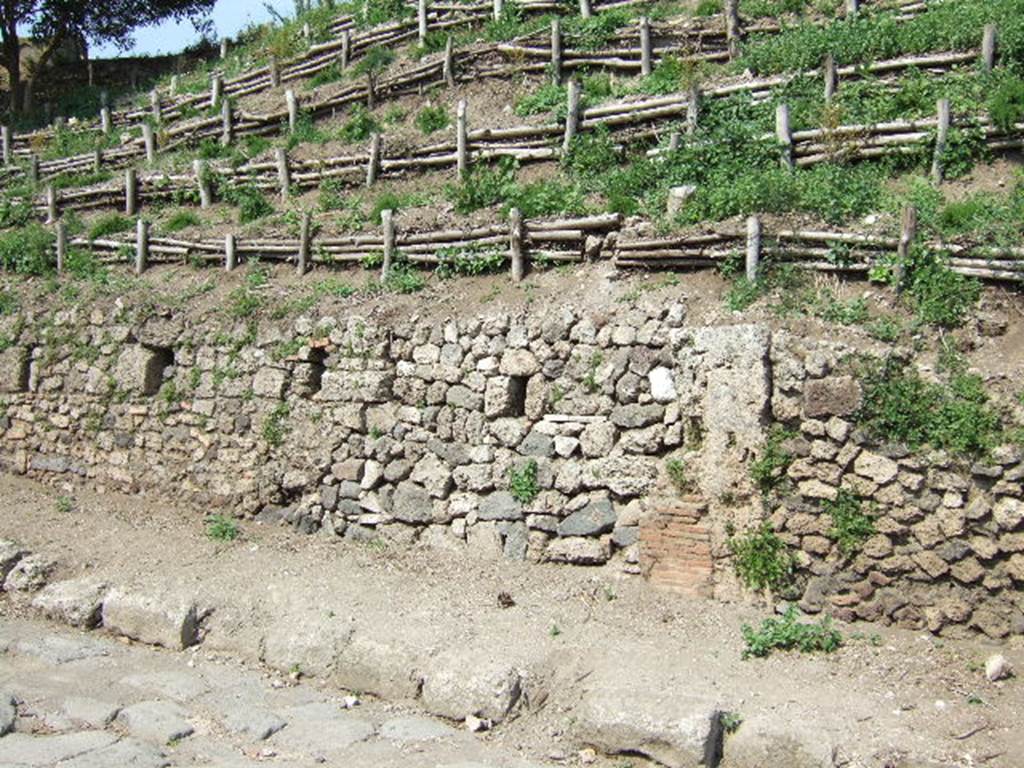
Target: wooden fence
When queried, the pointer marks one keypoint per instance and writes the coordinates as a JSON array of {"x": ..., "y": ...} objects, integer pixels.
[
  {"x": 519, "y": 244},
  {"x": 696, "y": 41}
]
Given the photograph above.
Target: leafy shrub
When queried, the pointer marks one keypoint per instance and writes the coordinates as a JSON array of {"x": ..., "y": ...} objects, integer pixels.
[
  {"x": 404, "y": 279},
  {"x": 761, "y": 558},
  {"x": 597, "y": 31},
  {"x": 1006, "y": 103},
  {"x": 769, "y": 470},
  {"x": 433, "y": 119},
  {"x": 543, "y": 198},
  {"x": 252, "y": 203},
  {"x": 952, "y": 414},
  {"x": 788, "y": 634},
  {"x": 469, "y": 261},
  {"x": 851, "y": 527},
  {"x": 548, "y": 98},
  {"x": 360, "y": 125},
  {"x": 484, "y": 185},
  {"x": 522, "y": 483},
  {"x": 28, "y": 250},
  {"x": 939, "y": 295}
]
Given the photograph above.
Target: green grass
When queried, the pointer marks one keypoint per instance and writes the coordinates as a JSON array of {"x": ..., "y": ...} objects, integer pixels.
[
  {"x": 27, "y": 250},
  {"x": 360, "y": 125},
  {"x": 182, "y": 220},
  {"x": 110, "y": 224},
  {"x": 761, "y": 559},
  {"x": 433, "y": 119}
]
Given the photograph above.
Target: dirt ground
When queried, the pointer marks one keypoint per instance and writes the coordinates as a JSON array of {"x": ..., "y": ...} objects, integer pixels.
[{"x": 886, "y": 698}]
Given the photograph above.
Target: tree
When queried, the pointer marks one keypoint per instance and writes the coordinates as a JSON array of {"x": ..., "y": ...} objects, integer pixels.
[{"x": 93, "y": 21}]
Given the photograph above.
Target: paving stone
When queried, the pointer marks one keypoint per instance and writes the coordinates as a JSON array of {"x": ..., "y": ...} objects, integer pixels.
[
  {"x": 321, "y": 728},
  {"x": 254, "y": 722},
  {"x": 127, "y": 753},
  {"x": 164, "y": 620},
  {"x": 22, "y": 749},
  {"x": 411, "y": 729},
  {"x": 159, "y": 722},
  {"x": 455, "y": 686},
  {"x": 61, "y": 650},
  {"x": 89, "y": 712},
  {"x": 180, "y": 686}
]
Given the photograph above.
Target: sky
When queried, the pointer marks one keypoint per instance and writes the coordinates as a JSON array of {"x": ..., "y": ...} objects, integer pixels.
[{"x": 229, "y": 17}]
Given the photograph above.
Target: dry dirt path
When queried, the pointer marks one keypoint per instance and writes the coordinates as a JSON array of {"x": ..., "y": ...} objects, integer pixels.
[{"x": 582, "y": 658}]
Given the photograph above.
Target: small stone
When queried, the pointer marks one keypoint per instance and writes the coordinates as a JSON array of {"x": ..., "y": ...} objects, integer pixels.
[
  {"x": 476, "y": 724},
  {"x": 157, "y": 721},
  {"x": 8, "y": 713},
  {"x": 10, "y": 554},
  {"x": 89, "y": 712},
  {"x": 76, "y": 602},
  {"x": 663, "y": 388},
  {"x": 997, "y": 668}
]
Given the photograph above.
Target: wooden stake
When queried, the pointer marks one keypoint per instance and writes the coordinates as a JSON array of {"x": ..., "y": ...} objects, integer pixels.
[
  {"x": 33, "y": 168},
  {"x": 784, "y": 134},
  {"x": 448, "y": 69},
  {"x": 989, "y": 44},
  {"x": 275, "y": 73},
  {"x": 62, "y": 245},
  {"x": 585, "y": 9},
  {"x": 387, "y": 220},
  {"x": 141, "y": 246},
  {"x": 556, "y": 51},
  {"x": 223, "y": 49},
  {"x": 693, "y": 109},
  {"x": 149, "y": 140},
  {"x": 216, "y": 88},
  {"x": 230, "y": 253},
  {"x": 293, "y": 109},
  {"x": 131, "y": 192},
  {"x": 421, "y": 19},
  {"x": 646, "y": 54},
  {"x": 572, "y": 115},
  {"x": 105, "y": 123},
  {"x": 51, "y": 204},
  {"x": 302, "y": 265},
  {"x": 941, "y": 139},
  {"x": 373, "y": 166},
  {"x": 154, "y": 103},
  {"x": 674, "y": 140},
  {"x": 499, "y": 9},
  {"x": 831, "y": 77},
  {"x": 203, "y": 182},
  {"x": 5, "y": 141},
  {"x": 733, "y": 31},
  {"x": 226, "y": 123},
  {"x": 462, "y": 139},
  {"x": 97, "y": 160},
  {"x": 516, "y": 245},
  {"x": 908, "y": 231},
  {"x": 346, "y": 47},
  {"x": 174, "y": 85},
  {"x": 753, "y": 263},
  {"x": 284, "y": 176},
  {"x": 852, "y": 7}
]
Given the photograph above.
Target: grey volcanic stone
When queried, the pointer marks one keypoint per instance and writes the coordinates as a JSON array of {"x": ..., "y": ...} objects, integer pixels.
[
  {"x": 127, "y": 753},
  {"x": 500, "y": 505},
  {"x": 23, "y": 750},
  {"x": 594, "y": 519},
  {"x": 8, "y": 712},
  {"x": 411, "y": 504},
  {"x": 636, "y": 416},
  {"x": 156, "y": 721}
]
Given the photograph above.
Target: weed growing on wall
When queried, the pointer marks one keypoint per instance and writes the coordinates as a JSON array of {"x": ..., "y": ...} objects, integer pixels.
[
  {"x": 274, "y": 428},
  {"x": 768, "y": 471},
  {"x": 761, "y": 559},
  {"x": 788, "y": 633},
  {"x": 522, "y": 482},
  {"x": 679, "y": 476},
  {"x": 851, "y": 526}
]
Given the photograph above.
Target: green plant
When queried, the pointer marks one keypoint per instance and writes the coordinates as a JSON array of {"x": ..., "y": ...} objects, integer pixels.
[
  {"x": 678, "y": 476},
  {"x": 433, "y": 119},
  {"x": 940, "y": 296},
  {"x": 761, "y": 559},
  {"x": 590, "y": 379},
  {"x": 731, "y": 722},
  {"x": 788, "y": 634},
  {"x": 274, "y": 427},
  {"x": 252, "y": 203},
  {"x": 28, "y": 250},
  {"x": 554, "y": 631},
  {"x": 483, "y": 186},
  {"x": 768, "y": 471},
  {"x": 547, "y": 98},
  {"x": 851, "y": 527},
  {"x": 221, "y": 528},
  {"x": 64, "y": 504},
  {"x": 522, "y": 483},
  {"x": 471, "y": 260},
  {"x": 404, "y": 279}
]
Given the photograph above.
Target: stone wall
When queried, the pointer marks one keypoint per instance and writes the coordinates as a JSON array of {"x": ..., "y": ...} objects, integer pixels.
[{"x": 635, "y": 430}]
